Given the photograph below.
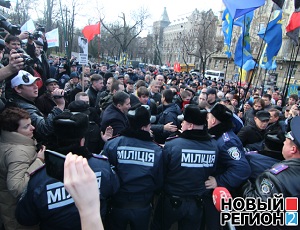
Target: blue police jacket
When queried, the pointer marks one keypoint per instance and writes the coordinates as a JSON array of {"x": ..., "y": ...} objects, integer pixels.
[
  {"x": 138, "y": 163},
  {"x": 47, "y": 202},
  {"x": 188, "y": 161},
  {"x": 233, "y": 168}
]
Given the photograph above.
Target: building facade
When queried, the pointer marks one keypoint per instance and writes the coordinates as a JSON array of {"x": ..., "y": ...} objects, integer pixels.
[{"x": 173, "y": 43}]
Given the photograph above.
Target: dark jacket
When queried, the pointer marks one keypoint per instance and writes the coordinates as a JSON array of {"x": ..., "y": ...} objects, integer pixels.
[
  {"x": 113, "y": 117},
  {"x": 252, "y": 137},
  {"x": 194, "y": 152},
  {"x": 100, "y": 96},
  {"x": 233, "y": 168},
  {"x": 43, "y": 67},
  {"x": 281, "y": 178},
  {"x": 45, "y": 103},
  {"x": 43, "y": 125},
  {"x": 106, "y": 101},
  {"x": 46, "y": 202},
  {"x": 92, "y": 93},
  {"x": 169, "y": 114},
  {"x": 156, "y": 97}
]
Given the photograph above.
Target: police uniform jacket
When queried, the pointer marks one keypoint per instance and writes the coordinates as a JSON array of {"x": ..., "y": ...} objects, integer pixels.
[
  {"x": 281, "y": 178},
  {"x": 46, "y": 201},
  {"x": 169, "y": 114},
  {"x": 138, "y": 163},
  {"x": 188, "y": 162},
  {"x": 233, "y": 168}
]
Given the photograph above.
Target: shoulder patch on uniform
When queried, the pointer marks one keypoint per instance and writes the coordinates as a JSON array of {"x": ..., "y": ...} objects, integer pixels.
[
  {"x": 278, "y": 169},
  {"x": 225, "y": 137},
  {"x": 102, "y": 157},
  {"x": 266, "y": 186},
  {"x": 234, "y": 153},
  {"x": 37, "y": 170},
  {"x": 171, "y": 138}
]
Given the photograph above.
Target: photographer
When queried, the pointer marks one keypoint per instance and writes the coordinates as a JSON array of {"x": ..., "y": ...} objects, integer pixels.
[
  {"x": 25, "y": 92},
  {"x": 14, "y": 59},
  {"x": 15, "y": 63},
  {"x": 36, "y": 50},
  {"x": 41, "y": 64}
]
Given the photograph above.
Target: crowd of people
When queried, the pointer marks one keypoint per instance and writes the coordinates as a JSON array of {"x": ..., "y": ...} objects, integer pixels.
[{"x": 159, "y": 143}]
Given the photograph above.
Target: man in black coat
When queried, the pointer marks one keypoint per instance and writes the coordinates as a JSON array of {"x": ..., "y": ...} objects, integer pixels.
[
  {"x": 252, "y": 135},
  {"x": 115, "y": 114}
]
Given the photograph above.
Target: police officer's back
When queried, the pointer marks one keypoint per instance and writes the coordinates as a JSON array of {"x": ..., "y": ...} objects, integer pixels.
[
  {"x": 46, "y": 202},
  {"x": 138, "y": 163},
  {"x": 188, "y": 161},
  {"x": 233, "y": 168}
]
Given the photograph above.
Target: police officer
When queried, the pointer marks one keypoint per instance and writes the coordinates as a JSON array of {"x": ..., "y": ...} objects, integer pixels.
[
  {"x": 233, "y": 168},
  {"x": 188, "y": 161},
  {"x": 46, "y": 201},
  {"x": 283, "y": 178},
  {"x": 138, "y": 163}
]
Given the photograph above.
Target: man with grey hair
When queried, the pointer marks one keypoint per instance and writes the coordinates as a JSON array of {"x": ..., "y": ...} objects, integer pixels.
[{"x": 154, "y": 91}]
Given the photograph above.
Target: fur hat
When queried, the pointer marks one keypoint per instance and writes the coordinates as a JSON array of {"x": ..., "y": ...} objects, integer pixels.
[
  {"x": 70, "y": 126},
  {"x": 79, "y": 107},
  {"x": 221, "y": 112},
  {"x": 194, "y": 115},
  {"x": 138, "y": 117}
]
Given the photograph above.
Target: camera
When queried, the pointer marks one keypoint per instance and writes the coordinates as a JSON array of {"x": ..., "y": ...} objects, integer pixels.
[
  {"x": 40, "y": 28},
  {"x": 28, "y": 61},
  {"x": 35, "y": 35},
  {"x": 12, "y": 29}
]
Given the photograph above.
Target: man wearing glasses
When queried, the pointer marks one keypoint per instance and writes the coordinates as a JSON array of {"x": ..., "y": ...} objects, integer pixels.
[{"x": 283, "y": 178}]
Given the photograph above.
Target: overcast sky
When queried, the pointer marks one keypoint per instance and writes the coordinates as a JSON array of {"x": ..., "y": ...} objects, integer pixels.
[
  {"x": 111, "y": 8},
  {"x": 89, "y": 9}
]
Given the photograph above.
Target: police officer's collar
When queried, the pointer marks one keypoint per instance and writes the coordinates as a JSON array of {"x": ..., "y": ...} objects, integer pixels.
[
  {"x": 219, "y": 129},
  {"x": 196, "y": 134},
  {"x": 138, "y": 134}
]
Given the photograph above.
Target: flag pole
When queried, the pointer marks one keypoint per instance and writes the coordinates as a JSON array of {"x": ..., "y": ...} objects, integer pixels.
[
  {"x": 258, "y": 58},
  {"x": 227, "y": 61},
  {"x": 288, "y": 70},
  {"x": 290, "y": 73}
]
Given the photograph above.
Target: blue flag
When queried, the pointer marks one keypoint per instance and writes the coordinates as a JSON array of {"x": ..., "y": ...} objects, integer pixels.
[
  {"x": 272, "y": 35},
  {"x": 227, "y": 31},
  {"x": 238, "y": 8},
  {"x": 249, "y": 65},
  {"x": 242, "y": 49}
]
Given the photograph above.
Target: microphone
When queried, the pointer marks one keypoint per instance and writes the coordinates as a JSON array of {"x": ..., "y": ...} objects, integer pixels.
[{"x": 220, "y": 193}]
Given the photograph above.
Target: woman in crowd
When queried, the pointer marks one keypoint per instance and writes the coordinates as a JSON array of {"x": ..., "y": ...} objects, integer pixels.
[{"x": 19, "y": 157}]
